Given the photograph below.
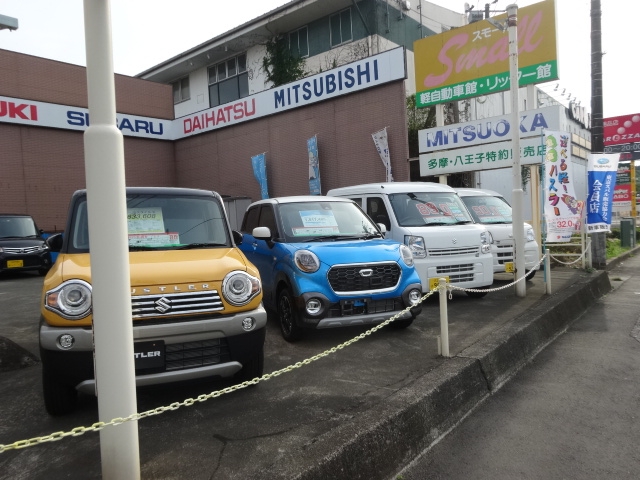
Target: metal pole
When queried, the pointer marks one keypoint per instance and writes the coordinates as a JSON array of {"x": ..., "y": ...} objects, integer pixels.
[
  {"x": 444, "y": 318},
  {"x": 440, "y": 123},
  {"x": 107, "y": 208},
  {"x": 517, "y": 193}
]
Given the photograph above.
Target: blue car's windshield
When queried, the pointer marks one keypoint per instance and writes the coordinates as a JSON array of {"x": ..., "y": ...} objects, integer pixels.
[{"x": 322, "y": 220}]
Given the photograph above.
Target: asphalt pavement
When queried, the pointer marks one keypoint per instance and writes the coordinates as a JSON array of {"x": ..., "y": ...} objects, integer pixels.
[
  {"x": 572, "y": 412},
  {"x": 362, "y": 412}
]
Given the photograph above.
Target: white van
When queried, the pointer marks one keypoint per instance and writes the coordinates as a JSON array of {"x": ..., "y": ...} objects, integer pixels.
[
  {"x": 432, "y": 220},
  {"x": 492, "y": 210}
]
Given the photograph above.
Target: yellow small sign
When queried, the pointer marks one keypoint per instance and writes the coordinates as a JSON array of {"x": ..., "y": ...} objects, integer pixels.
[
  {"x": 509, "y": 267},
  {"x": 15, "y": 264},
  {"x": 433, "y": 282}
]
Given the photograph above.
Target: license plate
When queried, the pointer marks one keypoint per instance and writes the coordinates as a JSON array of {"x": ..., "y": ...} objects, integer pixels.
[
  {"x": 434, "y": 282},
  {"x": 508, "y": 267},
  {"x": 149, "y": 355},
  {"x": 15, "y": 264}
]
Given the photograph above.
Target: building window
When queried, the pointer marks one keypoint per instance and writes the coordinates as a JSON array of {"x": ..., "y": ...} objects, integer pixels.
[
  {"x": 181, "y": 90},
  {"x": 228, "y": 81},
  {"x": 341, "y": 27},
  {"x": 299, "y": 42}
]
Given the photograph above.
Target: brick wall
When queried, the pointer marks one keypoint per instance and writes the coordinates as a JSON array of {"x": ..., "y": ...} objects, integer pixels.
[
  {"x": 221, "y": 160},
  {"x": 41, "y": 167}
]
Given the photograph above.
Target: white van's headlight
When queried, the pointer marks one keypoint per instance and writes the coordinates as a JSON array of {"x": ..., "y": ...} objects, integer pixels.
[
  {"x": 530, "y": 235},
  {"x": 486, "y": 238},
  {"x": 306, "y": 261},
  {"x": 239, "y": 288},
  {"x": 70, "y": 300},
  {"x": 407, "y": 256},
  {"x": 416, "y": 245}
]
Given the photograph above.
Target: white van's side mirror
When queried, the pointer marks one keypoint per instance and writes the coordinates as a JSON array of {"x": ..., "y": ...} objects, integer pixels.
[{"x": 382, "y": 228}]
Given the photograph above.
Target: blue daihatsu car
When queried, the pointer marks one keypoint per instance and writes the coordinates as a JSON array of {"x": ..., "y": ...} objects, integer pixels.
[{"x": 324, "y": 263}]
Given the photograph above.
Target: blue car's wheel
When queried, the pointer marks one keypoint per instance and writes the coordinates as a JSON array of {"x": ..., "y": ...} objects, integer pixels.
[{"x": 288, "y": 316}]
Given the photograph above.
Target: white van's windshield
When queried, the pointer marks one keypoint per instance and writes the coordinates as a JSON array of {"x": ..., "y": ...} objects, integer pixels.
[
  {"x": 429, "y": 209},
  {"x": 160, "y": 222},
  {"x": 488, "y": 210}
]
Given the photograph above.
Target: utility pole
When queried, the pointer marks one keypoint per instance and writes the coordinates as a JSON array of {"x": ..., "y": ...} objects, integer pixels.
[{"x": 599, "y": 239}]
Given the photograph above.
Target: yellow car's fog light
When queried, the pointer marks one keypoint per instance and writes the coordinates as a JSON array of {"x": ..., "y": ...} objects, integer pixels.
[
  {"x": 248, "y": 323},
  {"x": 66, "y": 341}
]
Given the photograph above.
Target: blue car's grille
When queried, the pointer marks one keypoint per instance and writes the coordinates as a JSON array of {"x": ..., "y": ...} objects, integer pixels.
[
  {"x": 348, "y": 308},
  {"x": 364, "y": 277}
]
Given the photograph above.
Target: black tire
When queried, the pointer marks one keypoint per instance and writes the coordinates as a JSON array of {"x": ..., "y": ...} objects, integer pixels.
[
  {"x": 288, "y": 316},
  {"x": 253, "y": 368},
  {"x": 59, "y": 399},
  {"x": 476, "y": 294},
  {"x": 530, "y": 274}
]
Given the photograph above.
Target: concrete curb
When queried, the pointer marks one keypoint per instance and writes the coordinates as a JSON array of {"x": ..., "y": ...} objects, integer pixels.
[
  {"x": 378, "y": 443},
  {"x": 614, "y": 262}
]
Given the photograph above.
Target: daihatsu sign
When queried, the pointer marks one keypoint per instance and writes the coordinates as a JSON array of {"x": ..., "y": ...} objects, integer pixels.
[{"x": 473, "y": 60}]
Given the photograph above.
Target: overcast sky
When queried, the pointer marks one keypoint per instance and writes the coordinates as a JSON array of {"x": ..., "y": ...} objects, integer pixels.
[{"x": 147, "y": 32}]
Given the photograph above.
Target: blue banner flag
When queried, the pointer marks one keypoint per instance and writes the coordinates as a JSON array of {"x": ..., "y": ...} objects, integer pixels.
[
  {"x": 314, "y": 166},
  {"x": 601, "y": 173},
  {"x": 259, "y": 163}
]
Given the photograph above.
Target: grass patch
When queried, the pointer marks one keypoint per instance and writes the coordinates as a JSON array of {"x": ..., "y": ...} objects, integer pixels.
[{"x": 614, "y": 249}]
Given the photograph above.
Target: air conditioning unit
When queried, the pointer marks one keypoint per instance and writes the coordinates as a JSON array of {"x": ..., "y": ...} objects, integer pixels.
[{"x": 405, "y": 4}]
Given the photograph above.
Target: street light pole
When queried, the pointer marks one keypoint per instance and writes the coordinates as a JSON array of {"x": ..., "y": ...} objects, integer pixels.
[{"x": 517, "y": 193}]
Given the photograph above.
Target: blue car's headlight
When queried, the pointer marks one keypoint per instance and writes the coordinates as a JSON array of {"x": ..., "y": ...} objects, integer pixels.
[
  {"x": 306, "y": 261},
  {"x": 407, "y": 256}
]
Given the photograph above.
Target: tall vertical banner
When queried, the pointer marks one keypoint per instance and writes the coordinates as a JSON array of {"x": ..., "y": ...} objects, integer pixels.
[
  {"x": 382, "y": 145},
  {"x": 259, "y": 163},
  {"x": 601, "y": 175},
  {"x": 314, "y": 166},
  {"x": 562, "y": 210}
]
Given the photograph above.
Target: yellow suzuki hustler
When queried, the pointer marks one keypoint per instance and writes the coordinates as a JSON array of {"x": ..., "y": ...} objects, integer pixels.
[{"x": 196, "y": 301}]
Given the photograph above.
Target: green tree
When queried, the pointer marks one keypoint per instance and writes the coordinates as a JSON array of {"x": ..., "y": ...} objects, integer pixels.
[
  {"x": 280, "y": 65},
  {"x": 418, "y": 119}
]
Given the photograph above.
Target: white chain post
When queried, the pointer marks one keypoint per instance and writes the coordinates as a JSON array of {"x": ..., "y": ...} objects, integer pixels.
[{"x": 444, "y": 318}]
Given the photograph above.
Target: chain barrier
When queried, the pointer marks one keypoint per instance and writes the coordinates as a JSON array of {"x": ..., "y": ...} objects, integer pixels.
[
  {"x": 77, "y": 431},
  {"x": 489, "y": 290},
  {"x": 569, "y": 263}
]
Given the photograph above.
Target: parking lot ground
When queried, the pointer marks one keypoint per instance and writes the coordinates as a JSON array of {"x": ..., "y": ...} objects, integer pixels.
[{"x": 358, "y": 413}]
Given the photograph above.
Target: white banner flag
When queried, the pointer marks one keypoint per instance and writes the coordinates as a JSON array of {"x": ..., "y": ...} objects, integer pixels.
[
  {"x": 562, "y": 210},
  {"x": 382, "y": 145}
]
